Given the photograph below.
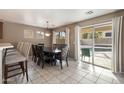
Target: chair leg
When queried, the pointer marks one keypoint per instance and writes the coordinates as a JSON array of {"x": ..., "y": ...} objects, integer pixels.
[
  {"x": 22, "y": 67},
  {"x": 5, "y": 75},
  {"x": 26, "y": 70},
  {"x": 52, "y": 62},
  {"x": 55, "y": 62},
  {"x": 61, "y": 64},
  {"x": 42, "y": 64},
  {"x": 35, "y": 59},
  {"x": 38, "y": 62},
  {"x": 67, "y": 61},
  {"x": 32, "y": 58}
]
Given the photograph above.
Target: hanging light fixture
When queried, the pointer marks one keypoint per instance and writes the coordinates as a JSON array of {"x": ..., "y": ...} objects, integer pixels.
[{"x": 47, "y": 34}]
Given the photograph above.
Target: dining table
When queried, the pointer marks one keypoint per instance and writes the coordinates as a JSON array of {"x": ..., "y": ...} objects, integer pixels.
[
  {"x": 51, "y": 53},
  {"x": 51, "y": 50}
]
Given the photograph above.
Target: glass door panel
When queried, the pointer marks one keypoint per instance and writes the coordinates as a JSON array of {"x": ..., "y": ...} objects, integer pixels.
[
  {"x": 86, "y": 44},
  {"x": 103, "y": 46}
]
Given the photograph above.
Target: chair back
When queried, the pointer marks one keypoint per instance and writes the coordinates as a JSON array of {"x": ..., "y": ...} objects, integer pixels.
[
  {"x": 85, "y": 52},
  {"x": 40, "y": 50},
  {"x": 4, "y": 52},
  {"x": 34, "y": 50},
  {"x": 26, "y": 49},
  {"x": 20, "y": 46},
  {"x": 64, "y": 53}
]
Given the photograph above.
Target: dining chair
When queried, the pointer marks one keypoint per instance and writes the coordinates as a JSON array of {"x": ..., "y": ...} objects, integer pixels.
[
  {"x": 15, "y": 50},
  {"x": 85, "y": 52},
  {"x": 34, "y": 56},
  {"x": 46, "y": 55},
  {"x": 16, "y": 62},
  {"x": 37, "y": 53},
  {"x": 40, "y": 54},
  {"x": 63, "y": 56}
]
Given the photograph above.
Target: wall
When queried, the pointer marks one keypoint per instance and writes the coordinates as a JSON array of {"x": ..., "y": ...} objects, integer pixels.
[
  {"x": 100, "y": 19},
  {"x": 13, "y": 32},
  {"x": 71, "y": 37}
]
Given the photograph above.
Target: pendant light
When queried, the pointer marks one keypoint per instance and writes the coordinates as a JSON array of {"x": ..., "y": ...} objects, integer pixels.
[{"x": 47, "y": 33}]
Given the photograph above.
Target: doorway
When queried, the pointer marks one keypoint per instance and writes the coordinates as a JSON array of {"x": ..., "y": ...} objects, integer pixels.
[{"x": 96, "y": 45}]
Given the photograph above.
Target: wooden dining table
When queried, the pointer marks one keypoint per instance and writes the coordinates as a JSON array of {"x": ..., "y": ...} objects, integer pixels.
[
  {"x": 51, "y": 53},
  {"x": 51, "y": 50}
]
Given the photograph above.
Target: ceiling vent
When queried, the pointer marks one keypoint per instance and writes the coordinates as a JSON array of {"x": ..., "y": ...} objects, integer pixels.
[{"x": 89, "y": 12}]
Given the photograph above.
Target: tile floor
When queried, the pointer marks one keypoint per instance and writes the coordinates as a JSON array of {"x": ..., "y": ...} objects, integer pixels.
[
  {"x": 76, "y": 73},
  {"x": 101, "y": 59}
]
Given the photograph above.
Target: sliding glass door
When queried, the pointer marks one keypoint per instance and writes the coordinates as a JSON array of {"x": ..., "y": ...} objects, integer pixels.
[
  {"x": 103, "y": 45},
  {"x": 96, "y": 45},
  {"x": 86, "y": 44}
]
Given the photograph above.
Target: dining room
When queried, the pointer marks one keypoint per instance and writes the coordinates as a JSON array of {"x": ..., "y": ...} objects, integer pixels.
[{"x": 41, "y": 47}]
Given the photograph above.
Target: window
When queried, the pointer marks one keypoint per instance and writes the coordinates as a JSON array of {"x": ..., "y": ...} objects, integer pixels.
[{"x": 60, "y": 37}]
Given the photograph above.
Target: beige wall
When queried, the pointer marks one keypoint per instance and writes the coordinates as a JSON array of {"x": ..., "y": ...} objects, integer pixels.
[
  {"x": 13, "y": 32},
  {"x": 88, "y": 22},
  {"x": 71, "y": 37}
]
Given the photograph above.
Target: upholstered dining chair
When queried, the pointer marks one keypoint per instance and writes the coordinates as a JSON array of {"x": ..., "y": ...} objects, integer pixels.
[
  {"x": 15, "y": 50},
  {"x": 63, "y": 56},
  {"x": 40, "y": 55},
  {"x": 18, "y": 60},
  {"x": 34, "y": 54}
]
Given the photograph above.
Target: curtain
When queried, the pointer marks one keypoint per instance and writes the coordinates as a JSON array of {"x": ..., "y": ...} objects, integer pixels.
[
  {"x": 118, "y": 65},
  {"x": 77, "y": 43},
  {"x": 54, "y": 38},
  {"x": 67, "y": 36}
]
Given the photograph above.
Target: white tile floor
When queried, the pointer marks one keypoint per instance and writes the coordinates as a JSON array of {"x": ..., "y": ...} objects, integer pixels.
[
  {"x": 103, "y": 59},
  {"x": 76, "y": 73}
]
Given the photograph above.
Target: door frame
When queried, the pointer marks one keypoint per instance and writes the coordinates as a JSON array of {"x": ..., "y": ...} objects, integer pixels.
[{"x": 78, "y": 35}]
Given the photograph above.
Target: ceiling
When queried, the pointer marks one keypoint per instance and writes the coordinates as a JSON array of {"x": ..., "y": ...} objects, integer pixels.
[{"x": 56, "y": 17}]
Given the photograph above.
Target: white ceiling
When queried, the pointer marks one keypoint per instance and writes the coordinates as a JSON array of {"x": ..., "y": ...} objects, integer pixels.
[{"x": 56, "y": 17}]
